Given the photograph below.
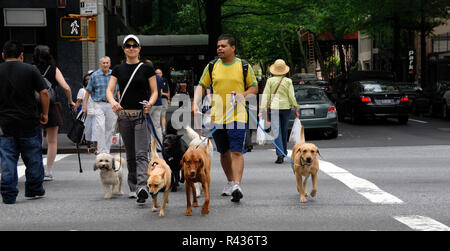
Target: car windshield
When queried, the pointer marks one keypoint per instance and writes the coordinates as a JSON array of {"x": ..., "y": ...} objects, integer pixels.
[
  {"x": 310, "y": 94},
  {"x": 378, "y": 87}
]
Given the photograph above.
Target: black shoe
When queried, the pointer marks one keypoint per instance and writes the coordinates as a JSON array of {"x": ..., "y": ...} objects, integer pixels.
[
  {"x": 142, "y": 195},
  {"x": 35, "y": 195},
  {"x": 236, "y": 194},
  {"x": 279, "y": 160}
]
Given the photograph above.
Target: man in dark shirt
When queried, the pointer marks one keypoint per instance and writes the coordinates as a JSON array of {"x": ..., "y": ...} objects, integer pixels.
[{"x": 20, "y": 123}]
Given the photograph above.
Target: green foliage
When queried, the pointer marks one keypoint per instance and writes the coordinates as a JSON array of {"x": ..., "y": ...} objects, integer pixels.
[{"x": 267, "y": 29}]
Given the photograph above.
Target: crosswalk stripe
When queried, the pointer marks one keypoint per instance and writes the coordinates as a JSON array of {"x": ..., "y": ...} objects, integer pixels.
[
  {"x": 422, "y": 223},
  {"x": 21, "y": 168},
  {"x": 359, "y": 185}
]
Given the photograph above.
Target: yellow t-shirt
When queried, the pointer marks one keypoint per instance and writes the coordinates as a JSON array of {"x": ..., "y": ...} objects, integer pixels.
[{"x": 227, "y": 78}]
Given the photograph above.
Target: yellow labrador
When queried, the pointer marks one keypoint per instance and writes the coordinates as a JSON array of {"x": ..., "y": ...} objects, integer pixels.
[{"x": 306, "y": 164}]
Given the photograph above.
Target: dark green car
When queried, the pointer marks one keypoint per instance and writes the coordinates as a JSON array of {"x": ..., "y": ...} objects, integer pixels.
[{"x": 317, "y": 112}]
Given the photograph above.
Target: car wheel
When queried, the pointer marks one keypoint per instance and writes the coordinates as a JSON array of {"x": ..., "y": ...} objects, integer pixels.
[
  {"x": 331, "y": 134},
  {"x": 403, "y": 120}
]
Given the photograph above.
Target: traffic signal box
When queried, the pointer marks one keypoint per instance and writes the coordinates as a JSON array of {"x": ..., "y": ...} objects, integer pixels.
[{"x": 72, "y": 27}]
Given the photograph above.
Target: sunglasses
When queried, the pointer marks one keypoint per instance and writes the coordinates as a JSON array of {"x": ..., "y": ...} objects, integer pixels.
[{"x": 128, "y": 46}]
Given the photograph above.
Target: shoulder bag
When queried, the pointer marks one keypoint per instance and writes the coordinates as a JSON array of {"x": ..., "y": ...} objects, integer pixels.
[
  {"x": 51, "y": 91},
  {"x": 268, "y": 107}
]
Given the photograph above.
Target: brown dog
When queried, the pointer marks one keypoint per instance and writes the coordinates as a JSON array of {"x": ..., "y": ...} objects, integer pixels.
[
  {"x": 159, "y": 179},
  {"x": 196, "y": 164},
  {"x": 306, "y": 163}
]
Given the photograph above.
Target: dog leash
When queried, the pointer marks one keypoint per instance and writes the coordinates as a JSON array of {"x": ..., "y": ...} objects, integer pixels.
[
  {"x": 152, "y": 129},
  {"x": 215, "y": 128},
  {"x": 268, "y": 136}
]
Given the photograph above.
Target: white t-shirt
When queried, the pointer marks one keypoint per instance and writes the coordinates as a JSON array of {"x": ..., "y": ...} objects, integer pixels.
[{"x": 90, "y": 103}]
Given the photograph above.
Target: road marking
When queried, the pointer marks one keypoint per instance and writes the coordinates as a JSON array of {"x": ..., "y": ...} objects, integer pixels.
[
  {"x": 21, "y": 168},
  {"x": 378, "y": 196},
  {"x": 359, "y": 185},
  {"x": 422, "y": 223},
  {"x": 419, "y": 121}
]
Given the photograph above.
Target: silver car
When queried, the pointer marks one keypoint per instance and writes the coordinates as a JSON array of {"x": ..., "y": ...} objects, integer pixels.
[{"x": 317, "y": 112}]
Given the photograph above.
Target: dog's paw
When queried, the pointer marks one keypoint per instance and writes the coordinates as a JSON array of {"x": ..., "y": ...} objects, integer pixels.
[
  {"x": 195, "y": 204},
  {"x": 313, "y": 193},
  {"x": 154, "y": 209},
  {"x": 303, "y": 199},
  {"x": 107, "y": 196},
  {"x": 161, "y": 213},
  {"x": 205, "y": 210},
  {"x": 188, "y": 212}
]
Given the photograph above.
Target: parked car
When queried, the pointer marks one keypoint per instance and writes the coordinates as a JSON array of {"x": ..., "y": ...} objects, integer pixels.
[
  {"x": 317, "y": 112},
  {"x": 440, "y": 100},
  {"x": 417, "y": 101},
  {"x": 373, "y": 99},
  {"x": 325, "y": 85},
  {"x": 302, "y": 78}
]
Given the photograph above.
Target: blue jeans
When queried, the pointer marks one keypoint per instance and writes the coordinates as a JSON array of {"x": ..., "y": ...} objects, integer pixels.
[
  {"x": 280, "y": 125},
  {"x": 28, "y": 144}
]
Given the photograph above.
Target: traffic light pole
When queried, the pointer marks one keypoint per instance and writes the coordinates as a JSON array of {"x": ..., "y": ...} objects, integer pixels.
[{"x": 101, "y": 52}]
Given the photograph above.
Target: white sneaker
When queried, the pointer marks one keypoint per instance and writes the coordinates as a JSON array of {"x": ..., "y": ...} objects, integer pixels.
[
  {"x": 132, "y": 195},
  {"x": 237, "y": 193},
  {"x": 228, "y": 189},
  {"x": 48, "y": 176}
]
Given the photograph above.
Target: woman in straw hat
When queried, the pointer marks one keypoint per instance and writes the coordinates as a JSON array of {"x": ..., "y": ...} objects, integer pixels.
[{"x": 279, "y": 99}]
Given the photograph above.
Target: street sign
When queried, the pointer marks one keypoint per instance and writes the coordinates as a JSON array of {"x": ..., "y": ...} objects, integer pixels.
[
  {"x": 71, "y": 27},
  {"x": 88, "y": 7}
]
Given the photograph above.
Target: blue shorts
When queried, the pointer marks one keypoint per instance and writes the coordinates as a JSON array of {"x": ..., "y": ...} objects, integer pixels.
[{"x": 230, "y": 139}]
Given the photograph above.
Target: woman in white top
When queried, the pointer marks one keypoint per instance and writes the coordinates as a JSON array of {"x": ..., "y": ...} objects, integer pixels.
[{"x": 89, "y": 124}]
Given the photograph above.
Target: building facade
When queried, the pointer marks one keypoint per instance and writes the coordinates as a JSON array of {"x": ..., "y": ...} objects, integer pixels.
[{"x": 38, "y": 23}]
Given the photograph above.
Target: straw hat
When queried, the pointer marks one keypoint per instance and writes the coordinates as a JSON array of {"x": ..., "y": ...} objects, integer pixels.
[{"x": 279, "y": 67}]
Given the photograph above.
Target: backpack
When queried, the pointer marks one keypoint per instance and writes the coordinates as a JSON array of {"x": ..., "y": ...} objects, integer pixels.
[
  {"x": 51, "y": 91},
  {"x": 244, "y": 70}
]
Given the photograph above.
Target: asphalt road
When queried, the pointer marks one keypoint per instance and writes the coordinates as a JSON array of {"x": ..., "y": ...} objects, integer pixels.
[{"x": 374, "y": 177}]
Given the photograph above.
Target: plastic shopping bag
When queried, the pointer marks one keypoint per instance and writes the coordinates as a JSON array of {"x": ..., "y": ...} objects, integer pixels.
[
  {"x": 296, "y": 132},
  {"x": 260, "y": 135}
]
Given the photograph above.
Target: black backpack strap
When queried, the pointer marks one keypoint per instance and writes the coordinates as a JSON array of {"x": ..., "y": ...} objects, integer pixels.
[
  {"x": 211, "y": 67},
  {"x": 244, "y": 70}
]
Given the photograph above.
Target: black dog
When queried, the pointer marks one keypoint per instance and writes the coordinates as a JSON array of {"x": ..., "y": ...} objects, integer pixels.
[{"x": 174, "y": 148}]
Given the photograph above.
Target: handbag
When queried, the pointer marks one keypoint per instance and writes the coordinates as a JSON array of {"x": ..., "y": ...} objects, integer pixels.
[
  {"x": 77, "y": 130},
  {"x": 268, "y": 107},
  {"x": 51, "y": 91}
]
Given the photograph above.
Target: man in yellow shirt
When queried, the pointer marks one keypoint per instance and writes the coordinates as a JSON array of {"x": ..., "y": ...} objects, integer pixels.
[{"x": 228, "y": 84}]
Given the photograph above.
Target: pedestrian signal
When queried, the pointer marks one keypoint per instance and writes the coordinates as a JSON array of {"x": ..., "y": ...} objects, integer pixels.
[{"x": 71, "y": 27}]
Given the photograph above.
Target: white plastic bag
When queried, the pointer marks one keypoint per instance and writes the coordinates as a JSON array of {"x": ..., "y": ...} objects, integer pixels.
[
  {"x": 295, "y": 132},
  {"x": 260, "y": 135}
]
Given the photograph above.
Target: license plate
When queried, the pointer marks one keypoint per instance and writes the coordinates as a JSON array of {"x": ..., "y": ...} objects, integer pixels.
[
  {"x": 307, "y": 112},
  {"x": 386, "y": 101}
]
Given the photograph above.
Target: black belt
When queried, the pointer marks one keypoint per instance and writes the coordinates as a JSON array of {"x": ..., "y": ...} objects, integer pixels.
[{"x": 104, "y": 101}]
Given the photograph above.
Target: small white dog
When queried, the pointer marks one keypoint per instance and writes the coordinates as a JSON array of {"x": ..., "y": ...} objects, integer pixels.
[
  {"x": 195, "y": 140},
  {"x": 111, "y": 173}
]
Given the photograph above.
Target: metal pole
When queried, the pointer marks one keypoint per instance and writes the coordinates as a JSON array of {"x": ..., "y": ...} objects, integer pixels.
[{"x": 100, "y": 30}]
